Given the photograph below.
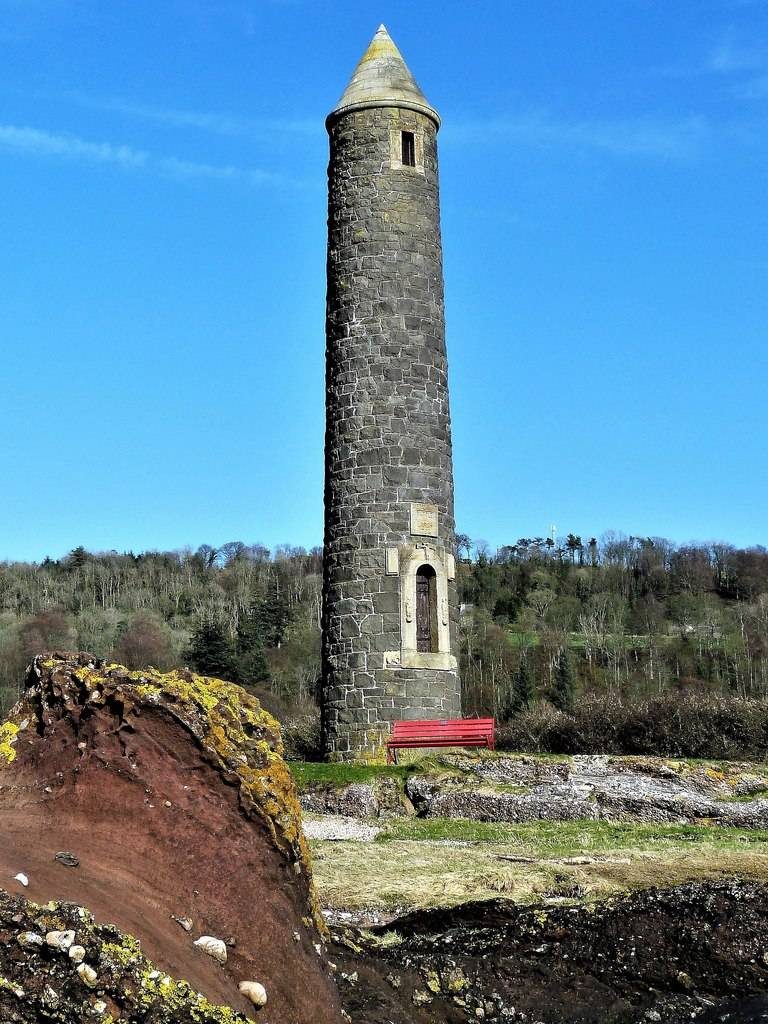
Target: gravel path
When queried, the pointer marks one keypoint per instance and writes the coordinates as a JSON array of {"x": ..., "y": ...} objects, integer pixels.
[{"x": 332, "y": 826}]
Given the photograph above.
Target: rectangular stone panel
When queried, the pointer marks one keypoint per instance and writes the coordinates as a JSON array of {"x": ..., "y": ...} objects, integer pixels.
[
  {"x": 423, "y": 519},
  {"x": 393, "y": 562}
]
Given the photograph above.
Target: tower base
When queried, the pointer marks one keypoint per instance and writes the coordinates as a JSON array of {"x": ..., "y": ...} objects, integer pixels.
[{"x": 358, "y": 714}]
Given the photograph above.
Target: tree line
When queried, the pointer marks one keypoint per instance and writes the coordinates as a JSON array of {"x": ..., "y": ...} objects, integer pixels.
[
  {"x": 621, "y": 616},
  {"x": 241, "y": 612},
  {"x": 630, "y": 617}
]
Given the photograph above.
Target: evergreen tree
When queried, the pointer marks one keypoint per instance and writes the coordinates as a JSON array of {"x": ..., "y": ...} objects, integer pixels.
[
  {"x": 77, "y": 558},
  {"x": 519, "y": 693},
  {"x": 211, "y": 652},
  {"x": 563, "y": 686},
  {"x": 252, "y": 664},
  {"x": 523, "y": 692},
  {"x": 274, "y": 616}
]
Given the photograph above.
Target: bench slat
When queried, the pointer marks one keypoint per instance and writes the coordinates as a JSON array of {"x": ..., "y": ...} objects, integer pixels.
[
  {"x": 439, "y": 723},
  {"x": 441, "y": 732}
]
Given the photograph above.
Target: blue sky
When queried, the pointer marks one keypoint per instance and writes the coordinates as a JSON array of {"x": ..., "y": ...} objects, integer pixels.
[{"x": 603, "y": 170}]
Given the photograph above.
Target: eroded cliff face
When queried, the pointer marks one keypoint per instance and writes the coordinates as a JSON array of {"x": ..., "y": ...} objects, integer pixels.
[
  {"x": 691, "y": 952},
  {"x": 171, "y": 793}
]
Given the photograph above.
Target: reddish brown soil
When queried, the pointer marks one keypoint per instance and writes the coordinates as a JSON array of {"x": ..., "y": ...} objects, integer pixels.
[{"x": 142, "y": 861}]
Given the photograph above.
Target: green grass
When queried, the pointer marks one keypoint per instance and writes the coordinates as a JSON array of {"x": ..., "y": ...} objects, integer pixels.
[
  {"x": 567, "y": 838},
  {"x": 311, "y": 773},
  {"x": 308, "y": 773},
  {"x": 745, "y": 798}
]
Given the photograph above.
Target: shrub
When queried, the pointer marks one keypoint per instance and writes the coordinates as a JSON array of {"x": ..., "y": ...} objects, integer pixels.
[
  {"x": 144, "y": 641},
  {"x": 673, "y": 725},
  {"x": 302, "y": 735}
]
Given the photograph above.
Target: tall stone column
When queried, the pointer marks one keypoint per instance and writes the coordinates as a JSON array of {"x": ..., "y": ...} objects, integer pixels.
[{"x": 390, "y": 615}]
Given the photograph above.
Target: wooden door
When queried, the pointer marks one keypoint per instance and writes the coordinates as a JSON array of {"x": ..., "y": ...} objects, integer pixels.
[{"x": 425, "y": 609}]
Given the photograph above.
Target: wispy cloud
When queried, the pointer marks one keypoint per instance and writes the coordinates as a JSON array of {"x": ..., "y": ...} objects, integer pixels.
[
  {"x": 43, "y": 143},
  {"x": 208, "y": 121},
  {"x": 728, "y": 58},
  {"x": 667, "y": 140},
  {"x": 745, "y": 66},
  {"x": 36, "y": 142}
]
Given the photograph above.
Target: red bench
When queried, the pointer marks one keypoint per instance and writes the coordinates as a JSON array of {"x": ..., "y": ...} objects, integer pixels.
[{"x": 445, "y": 732}]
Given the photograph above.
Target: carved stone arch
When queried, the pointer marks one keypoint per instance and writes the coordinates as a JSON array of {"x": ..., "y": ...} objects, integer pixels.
[{"x": 413, "y": 561}]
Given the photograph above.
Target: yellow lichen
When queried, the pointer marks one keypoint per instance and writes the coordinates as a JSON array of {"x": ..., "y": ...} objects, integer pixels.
[
  {"x": 455, "y": 981},
  {"x": 432, "y": 981},
  {"x": 124, "y": 954},
  {"x": 8, "y": 734}
]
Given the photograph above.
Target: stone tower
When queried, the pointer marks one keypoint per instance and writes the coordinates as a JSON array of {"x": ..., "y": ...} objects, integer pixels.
[{"x": 390, "y": 615}]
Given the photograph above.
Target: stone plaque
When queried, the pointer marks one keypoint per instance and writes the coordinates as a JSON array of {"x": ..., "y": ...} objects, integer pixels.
[
  {"x": 393, "y": 562},
  {"x": 423, "y": 519}
]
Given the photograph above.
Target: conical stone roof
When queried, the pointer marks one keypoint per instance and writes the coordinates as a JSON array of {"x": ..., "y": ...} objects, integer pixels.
[{"x": 382, "y": 79}]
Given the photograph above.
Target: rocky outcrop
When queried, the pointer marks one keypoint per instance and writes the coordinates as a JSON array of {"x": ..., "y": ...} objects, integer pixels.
[
  {"x": 483, "y": 803},
  {"x": 651, "y": 790},
  {"x": 530, "y": 788},
  {"x": 668, "y": 956},
  {"x": 161, "y": 803},
  {"x": 383, "y": 797}
]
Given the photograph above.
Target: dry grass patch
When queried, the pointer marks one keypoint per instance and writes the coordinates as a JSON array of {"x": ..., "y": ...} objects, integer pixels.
[{"x": 565, "y": 860}]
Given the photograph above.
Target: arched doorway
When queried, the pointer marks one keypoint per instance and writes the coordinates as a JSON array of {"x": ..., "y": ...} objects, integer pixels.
[{"x": 426, "y": 610}]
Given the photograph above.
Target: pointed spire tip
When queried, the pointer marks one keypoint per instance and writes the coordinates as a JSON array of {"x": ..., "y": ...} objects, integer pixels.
[{"x": 382, "y": 78}]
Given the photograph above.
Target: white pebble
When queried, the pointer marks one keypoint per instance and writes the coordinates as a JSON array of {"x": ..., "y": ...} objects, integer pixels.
[
  {"x": 213, "y": 947},
  {"x": 60, "y": 940},
  {"x": 21, "y": 877},
  {"x": 77, "y": 953},
  {"x": 254, "y": 991},
  {"x": 88, "y": 976}
]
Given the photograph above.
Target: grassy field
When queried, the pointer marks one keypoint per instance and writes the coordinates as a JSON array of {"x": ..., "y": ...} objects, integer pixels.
[
  {"x": 428, "y": 863},
  {"x": 310, "y": 773}
]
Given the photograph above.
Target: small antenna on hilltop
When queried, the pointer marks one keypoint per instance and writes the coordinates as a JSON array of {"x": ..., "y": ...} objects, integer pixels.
[{"x": 553, "y": 533}]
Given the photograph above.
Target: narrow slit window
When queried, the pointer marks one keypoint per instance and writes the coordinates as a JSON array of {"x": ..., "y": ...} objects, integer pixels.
[{"x": 409, "y": 149}]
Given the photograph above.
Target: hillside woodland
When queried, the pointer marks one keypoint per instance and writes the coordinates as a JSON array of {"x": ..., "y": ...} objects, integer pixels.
[{"x": 618, "y": 644}]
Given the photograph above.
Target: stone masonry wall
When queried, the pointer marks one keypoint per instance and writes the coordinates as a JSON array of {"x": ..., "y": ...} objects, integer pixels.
[{"x": 388, "y": 439}]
